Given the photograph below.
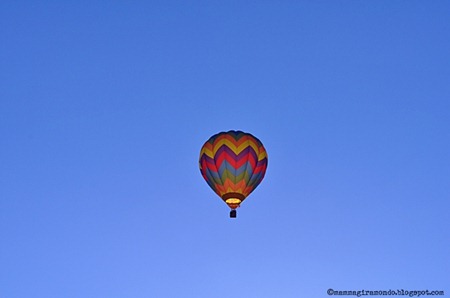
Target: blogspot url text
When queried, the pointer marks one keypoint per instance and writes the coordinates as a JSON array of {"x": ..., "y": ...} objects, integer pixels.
[{"x": 400, "y": 292}]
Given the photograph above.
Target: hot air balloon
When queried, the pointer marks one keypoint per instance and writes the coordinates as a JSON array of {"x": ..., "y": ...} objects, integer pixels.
[{"x": 233, "y": 164}]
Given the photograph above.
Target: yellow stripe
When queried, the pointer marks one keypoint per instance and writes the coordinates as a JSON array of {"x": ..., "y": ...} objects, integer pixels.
[
  {"x": 262, "y": 155},
  {"x": 207, "y": 152},
  {"x": 233, "y": 147},
  {"x": 246, "y": 144}
]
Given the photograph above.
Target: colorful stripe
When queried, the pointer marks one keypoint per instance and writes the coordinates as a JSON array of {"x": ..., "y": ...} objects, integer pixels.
[{"x": 233, "y": 162}]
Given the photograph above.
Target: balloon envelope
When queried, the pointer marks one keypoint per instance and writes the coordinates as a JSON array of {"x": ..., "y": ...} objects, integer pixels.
[{"x": 233, "y": 163}]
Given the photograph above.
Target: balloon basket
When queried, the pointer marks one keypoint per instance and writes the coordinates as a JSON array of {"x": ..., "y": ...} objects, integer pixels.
[{"x": 233, "y": 213}]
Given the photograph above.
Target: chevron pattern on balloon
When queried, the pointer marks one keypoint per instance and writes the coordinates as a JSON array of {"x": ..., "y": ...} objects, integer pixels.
[{"x": 233, "y": 162}]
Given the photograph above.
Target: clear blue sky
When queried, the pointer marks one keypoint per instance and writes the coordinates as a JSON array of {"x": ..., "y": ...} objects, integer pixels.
[{"x": 104, "y": 106}]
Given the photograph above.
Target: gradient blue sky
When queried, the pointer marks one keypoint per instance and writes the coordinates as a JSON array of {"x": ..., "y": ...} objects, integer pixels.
[{"x": 104, "y": 106}]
